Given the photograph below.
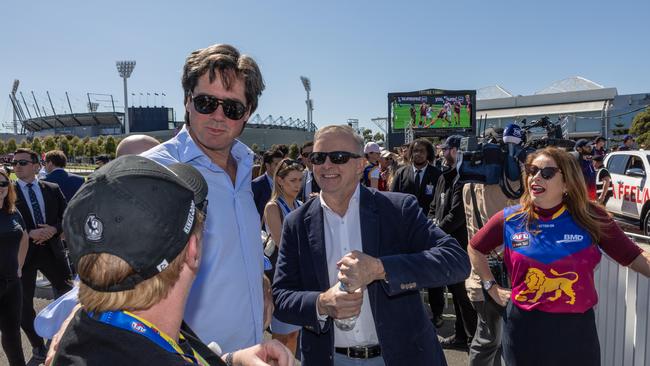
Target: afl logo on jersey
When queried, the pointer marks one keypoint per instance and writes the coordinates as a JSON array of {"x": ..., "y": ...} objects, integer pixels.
[{"x": 521, "y": 239}]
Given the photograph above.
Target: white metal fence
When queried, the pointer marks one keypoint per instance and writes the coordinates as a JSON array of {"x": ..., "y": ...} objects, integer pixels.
[{"x": 622, "y": 315}]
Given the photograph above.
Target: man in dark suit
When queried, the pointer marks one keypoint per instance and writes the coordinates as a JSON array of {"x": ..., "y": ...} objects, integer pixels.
[
  {"x": 55, "y": 162},
  {"x": 420, "y": 178},
  {"x": 309, "y": 185},
  {"x": 262, "y": 186},
  {"x": 41, "y": 204},
  {"x": 379, "y": 247}
]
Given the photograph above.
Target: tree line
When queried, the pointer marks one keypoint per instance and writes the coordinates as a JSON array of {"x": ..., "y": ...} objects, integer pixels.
[{"x": 75, "y": 148}]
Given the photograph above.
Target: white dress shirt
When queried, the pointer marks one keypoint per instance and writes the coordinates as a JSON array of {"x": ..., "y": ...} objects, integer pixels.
[
  {"x": 343, "y": 235},
  {"x": 39, "y": 197}
]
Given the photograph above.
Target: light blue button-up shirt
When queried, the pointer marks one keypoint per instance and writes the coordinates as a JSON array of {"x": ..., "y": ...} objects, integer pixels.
[
  {"x": 39, "y": 197},
  {"x": 226, "y": 302}
]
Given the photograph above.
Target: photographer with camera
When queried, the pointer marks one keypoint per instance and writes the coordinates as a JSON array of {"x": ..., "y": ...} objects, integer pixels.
[{"x": 482, "y": 200}]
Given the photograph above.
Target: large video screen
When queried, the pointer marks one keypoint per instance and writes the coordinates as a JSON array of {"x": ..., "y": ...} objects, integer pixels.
[{"x": 433, "y": 109}]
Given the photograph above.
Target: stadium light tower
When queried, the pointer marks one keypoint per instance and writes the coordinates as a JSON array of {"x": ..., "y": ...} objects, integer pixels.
[
  {"x": 14, "y": 89},
  {"x": 310, "y": 107},
  {"x": 125, "y": 68}
]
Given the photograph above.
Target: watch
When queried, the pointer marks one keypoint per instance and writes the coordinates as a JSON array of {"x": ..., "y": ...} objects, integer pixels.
[{"x": 487, "y": 285}]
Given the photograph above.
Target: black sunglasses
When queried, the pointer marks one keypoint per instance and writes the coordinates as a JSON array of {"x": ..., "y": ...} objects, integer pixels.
[
  {"x": 547, "y": 173},
  {"x": 336, "y": 157},
  {"x": 207, "y": 104},
  {"x": 21, "y": 162},
  {"x": 4, "y": 183}
]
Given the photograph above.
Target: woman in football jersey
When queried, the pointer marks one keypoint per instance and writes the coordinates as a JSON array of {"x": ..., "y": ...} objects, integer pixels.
[
  {"x": 13, "y": 250},
  {"x": 552, "y": 247}
]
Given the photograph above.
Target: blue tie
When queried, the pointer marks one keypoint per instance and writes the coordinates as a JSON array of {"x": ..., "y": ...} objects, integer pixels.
[{"x": 38, "y": 215}]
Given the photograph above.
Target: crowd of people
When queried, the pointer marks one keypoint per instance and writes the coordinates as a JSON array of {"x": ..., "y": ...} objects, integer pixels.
[{"x": 184, "y": 253}]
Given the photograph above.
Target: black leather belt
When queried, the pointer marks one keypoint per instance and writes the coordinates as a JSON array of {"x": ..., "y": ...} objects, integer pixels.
[{"x": 360, "y": 352}]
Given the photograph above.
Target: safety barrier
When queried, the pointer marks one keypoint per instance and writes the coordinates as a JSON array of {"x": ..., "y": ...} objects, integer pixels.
[{"x": 622, "y": 313}]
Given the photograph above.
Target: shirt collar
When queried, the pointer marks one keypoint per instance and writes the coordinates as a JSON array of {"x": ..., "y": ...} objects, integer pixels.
[
  {"x": 24, "y": 184},
  {"x": 423, "y": 169},
  {"x": 191, "y": 150},
  {"x": 354, "y": 200}
]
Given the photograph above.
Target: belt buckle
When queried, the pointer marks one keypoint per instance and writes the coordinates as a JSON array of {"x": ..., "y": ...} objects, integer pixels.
[{"x": 366, "y": 348}]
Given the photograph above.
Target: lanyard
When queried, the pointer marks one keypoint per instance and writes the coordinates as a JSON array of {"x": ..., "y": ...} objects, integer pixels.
[
  {"x": 133, "y": 323},
  {"x": 285, "y": 206}
]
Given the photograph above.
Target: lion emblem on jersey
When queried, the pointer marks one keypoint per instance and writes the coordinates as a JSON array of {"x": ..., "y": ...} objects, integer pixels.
[{"x": 538, "y": 283}]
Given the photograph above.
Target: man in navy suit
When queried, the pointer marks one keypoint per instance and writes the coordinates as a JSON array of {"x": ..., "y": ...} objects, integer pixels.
[
  {"x": 379, "y": 247},
  {"x": 55, "y": 162},
  {"x": 262, "y": 186}
]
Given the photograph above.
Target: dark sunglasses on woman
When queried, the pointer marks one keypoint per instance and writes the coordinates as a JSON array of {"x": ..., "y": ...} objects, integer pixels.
[
  {"x": 4, "y": 183},
  {"x": 547, "y": 173},
  {"x": 336, "y": 157},
  {"x": 207, "y": 104}
]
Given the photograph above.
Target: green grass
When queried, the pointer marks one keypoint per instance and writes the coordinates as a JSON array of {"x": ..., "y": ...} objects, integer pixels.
[{"x": 403, "y": 117}]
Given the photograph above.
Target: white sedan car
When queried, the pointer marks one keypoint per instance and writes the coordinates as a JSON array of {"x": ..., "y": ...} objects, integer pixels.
[{"x": 630, "y": 187}]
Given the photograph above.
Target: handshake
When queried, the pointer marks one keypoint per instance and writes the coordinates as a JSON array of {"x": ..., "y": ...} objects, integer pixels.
[{"x": 356, "y": 271}]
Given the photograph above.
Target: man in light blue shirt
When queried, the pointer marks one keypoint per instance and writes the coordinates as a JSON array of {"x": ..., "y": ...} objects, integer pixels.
[{"x": 226, "y": 302}]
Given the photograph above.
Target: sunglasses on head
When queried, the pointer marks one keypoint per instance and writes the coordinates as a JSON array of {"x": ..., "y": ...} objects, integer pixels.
[
  {"x": 21, "y": 162},
  {"x": 207, "y": 104},
  {"x": 546, "y": 173},
  {"x": 336, "y": 157},
  {"x": 290, "y": 162},
  {"x": 4, "y": 183}
]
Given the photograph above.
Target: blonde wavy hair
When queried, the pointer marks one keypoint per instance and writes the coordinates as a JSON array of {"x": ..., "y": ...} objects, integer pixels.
[{"x": 104, "y": 269}]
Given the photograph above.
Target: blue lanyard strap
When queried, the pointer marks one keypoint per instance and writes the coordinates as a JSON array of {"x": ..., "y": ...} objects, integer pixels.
[{"x": 133, "y": 324}]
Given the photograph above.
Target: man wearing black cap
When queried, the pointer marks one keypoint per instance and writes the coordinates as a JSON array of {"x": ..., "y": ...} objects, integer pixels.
[
  {"x": 135, "y": 279},
  {"x": 584, "y": 154},
  {"x": 448, "y": 211}
]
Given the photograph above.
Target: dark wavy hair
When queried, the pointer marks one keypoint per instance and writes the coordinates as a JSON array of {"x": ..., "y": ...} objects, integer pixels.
[{"x": 431, "y": 154}]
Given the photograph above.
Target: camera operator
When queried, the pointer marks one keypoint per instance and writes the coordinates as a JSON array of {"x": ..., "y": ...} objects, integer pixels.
[
  {"x": 481, "y": 202},
  {"x": 584, "y": 154},
  {"x": 448, "y": 211}
]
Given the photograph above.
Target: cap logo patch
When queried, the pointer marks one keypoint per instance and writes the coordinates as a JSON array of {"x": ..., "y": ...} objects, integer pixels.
[
  {"x": 190, "y": 219},
  {"x": 94, "y": 228},
  {"x": 164, "y": 264}
]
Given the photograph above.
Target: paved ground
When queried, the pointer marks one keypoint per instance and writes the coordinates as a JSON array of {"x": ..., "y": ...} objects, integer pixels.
[{"x": 454, "y": 358}]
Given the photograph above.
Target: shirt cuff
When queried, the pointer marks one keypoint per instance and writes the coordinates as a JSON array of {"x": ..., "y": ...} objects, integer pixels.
[{"x": 322, "y": 319}]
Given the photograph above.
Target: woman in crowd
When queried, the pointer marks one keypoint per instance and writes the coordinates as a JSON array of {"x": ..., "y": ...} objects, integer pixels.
[
  {"x": 287, "y": 183},
  {"x": 552, "y": 247},
  {"x": 13, "y": 250},
  {"x": 388, "y": 166}
]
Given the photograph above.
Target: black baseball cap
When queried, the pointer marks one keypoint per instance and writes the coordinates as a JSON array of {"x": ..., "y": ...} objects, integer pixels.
[
  {"x": 452, "y": 141},
  {"x": 582, "y": 143},
  {"x": 138, "y": 210}
]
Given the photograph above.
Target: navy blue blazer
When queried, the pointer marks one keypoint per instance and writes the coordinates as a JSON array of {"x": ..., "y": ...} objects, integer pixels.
[
  {"x": 69, "y": 183},
  {"x": 261, "y": 193},
  {"x": 415, "y": 253}
]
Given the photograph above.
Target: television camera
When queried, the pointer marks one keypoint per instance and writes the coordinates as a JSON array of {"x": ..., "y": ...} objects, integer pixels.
[{"x": 496, "y": 158}]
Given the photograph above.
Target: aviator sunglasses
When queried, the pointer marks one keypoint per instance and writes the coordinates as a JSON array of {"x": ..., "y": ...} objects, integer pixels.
[
  {"x": 546, "y": 173},
  {"x": 336, "y": 157},
  {"x": 207, "y": 104}
]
